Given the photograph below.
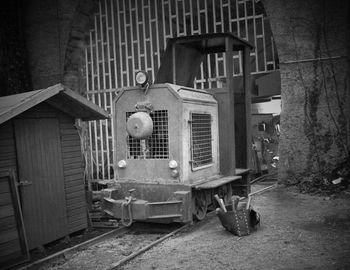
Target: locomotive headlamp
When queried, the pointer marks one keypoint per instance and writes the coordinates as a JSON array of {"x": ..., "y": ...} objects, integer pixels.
[
  {"x": 172, "y": 164},
  {"x": 141, "y": 78},
  {"x": 139, "y": 125},
  {"x": 122, "y": 164},
  {"x": 174, "y": 173}
]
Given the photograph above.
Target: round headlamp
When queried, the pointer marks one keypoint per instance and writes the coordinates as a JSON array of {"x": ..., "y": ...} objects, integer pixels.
[
  {"x": 122, "y": 164},
  {"x": 172, "y": 164},
  {"x": 141, "y": 78},
  {"x": 174, "y": 173}
]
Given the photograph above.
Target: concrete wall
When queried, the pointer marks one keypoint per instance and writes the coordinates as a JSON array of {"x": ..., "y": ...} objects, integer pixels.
[
  {"x": 55, "y": 35},
  {"x": 315, "y": 93},
  {"x": 14, "y": 71}
]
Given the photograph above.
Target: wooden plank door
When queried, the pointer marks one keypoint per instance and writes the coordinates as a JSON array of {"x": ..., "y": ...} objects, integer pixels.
[
  {"x": 13, "y": 245},
  {"x": 41, "y": 178}
]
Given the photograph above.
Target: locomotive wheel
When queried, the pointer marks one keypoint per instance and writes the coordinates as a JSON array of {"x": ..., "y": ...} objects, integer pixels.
[{"x": 200, "y": 205}]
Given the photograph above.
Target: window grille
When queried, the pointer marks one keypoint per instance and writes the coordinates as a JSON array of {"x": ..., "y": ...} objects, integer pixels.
[
  {"x": 201, "y": 148},
  {"x": 155, "y": 147}
]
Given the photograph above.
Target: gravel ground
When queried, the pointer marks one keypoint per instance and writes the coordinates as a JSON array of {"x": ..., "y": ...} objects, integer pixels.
[
  {"x": 298, "y": 231},
  {"x": 103, "y": 254}
]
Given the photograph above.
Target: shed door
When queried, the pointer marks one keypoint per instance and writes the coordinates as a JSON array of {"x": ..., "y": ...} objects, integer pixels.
[
  {"x": 40, "y": 171},
  {"x": 13, "y": 246}
]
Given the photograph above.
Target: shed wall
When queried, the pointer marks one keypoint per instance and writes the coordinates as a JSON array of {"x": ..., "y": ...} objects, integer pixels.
[
  {"x": 71, "y": 158},
  {"x": 40, "y": 170},
  {"x": 72, "y": 168},
  {"x": 73, "y": 174},
  {"x": 7, "y": 147},
  {"x": 10, "y": 233}
]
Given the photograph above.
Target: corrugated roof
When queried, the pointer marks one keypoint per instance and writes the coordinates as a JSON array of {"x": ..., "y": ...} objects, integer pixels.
[
  {"x": 211, "y": 42},
  {"x": 191, "y": 51},
  {"x": 58, "y": 96}
]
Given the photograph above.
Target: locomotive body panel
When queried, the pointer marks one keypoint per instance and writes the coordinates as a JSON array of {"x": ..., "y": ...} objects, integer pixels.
[
  {"x": 177, "y": 135},
  {"x": 153, "y": 166},
  {"x": 207, "y": 143}
]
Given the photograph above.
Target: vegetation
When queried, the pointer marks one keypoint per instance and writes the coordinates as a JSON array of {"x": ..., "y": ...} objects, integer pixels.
[{"x": 326, "y": 124}]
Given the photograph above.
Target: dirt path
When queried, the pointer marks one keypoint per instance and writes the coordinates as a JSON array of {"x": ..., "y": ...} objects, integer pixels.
[{"x": 298, "y": 231}]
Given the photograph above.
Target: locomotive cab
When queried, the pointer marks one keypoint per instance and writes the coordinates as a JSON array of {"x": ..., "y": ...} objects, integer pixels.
[{"x": 175, "y": 146}]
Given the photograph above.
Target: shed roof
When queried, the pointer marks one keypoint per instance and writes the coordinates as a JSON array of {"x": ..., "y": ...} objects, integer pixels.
[{"x": 58, "y": 96}]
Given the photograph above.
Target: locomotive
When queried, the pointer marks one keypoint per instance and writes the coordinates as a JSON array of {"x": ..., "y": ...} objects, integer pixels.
[{"x": 176, "y": 146}]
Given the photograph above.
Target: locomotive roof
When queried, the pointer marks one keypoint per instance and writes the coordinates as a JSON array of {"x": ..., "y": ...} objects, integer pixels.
[
  {"x": 211, "y": 43},
  {"x": 58, "y": 96},
  {"x": 179, "y": 91},
  {"x": 183, "y": 55}
]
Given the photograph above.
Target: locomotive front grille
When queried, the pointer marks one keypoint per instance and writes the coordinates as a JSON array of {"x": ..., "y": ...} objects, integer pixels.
[
  {"x": 156, "y": 146},
  {"x": 201, "y": 141}
]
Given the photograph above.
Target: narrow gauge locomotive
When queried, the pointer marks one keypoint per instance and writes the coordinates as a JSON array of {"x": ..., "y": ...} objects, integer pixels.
[{"x": 175, "y": 146}]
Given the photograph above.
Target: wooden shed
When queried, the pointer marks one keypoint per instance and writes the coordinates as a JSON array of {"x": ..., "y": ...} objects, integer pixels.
[{"x": 42, "y": 193}]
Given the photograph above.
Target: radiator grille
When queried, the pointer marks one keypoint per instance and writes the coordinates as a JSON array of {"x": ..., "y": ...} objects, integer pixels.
[
  {"x": 201, "y": 149},
  {"x": 155, "y": 147}
]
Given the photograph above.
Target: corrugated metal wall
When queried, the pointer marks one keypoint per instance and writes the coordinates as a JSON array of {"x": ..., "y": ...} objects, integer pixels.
[{"x": 131, "y": 35}]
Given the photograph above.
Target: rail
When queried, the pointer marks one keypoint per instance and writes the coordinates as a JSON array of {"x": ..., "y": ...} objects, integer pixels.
[{"x": 144, "y": 249}]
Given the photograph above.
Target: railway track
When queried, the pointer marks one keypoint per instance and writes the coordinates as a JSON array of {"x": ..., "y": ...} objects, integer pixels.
[
  {"x": 110, "y": 251},
  {"x": 116, "y": 265},
  {"x": 115, "y": 248}
]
